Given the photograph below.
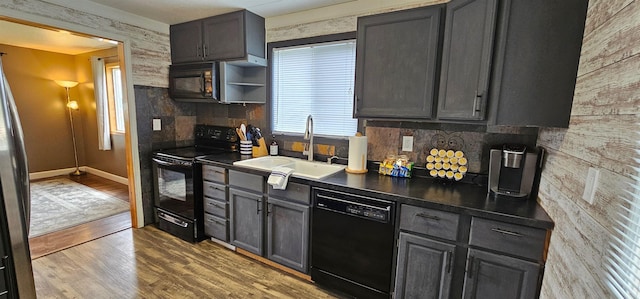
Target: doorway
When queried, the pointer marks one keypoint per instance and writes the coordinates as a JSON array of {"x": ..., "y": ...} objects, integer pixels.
[{"x": 50, "y": 150}]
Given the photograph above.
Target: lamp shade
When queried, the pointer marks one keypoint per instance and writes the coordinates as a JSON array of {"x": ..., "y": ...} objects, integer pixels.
[{"x": 67, "y": 84}]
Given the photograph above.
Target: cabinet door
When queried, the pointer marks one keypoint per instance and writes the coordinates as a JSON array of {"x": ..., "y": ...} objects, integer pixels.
[
  {"x": 224, "y": 37},
  {"x": 186, "y": 42},
  {"x": 466, "y": 59},
  {"x": 497, "y": 276},
  {"x": 246, "y": 220},
  {"x": 396, "y": 60},
  {"x": 288, "y": 234},
  {"x": 424, "y": 268}
]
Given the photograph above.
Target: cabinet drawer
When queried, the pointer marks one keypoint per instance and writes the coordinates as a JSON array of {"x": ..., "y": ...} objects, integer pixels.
[
  {"x": 214, "y": 190},
  {"x": 215, "y": 207},
  {"x": 215, "y": 227},
  {"x": 509, "y": 238},
  {"x": 214, "y": 173},
  {"x": 429, "y": 222},
  {"x": 295, "y": 192},
  {"x": 246, "y": 181}
]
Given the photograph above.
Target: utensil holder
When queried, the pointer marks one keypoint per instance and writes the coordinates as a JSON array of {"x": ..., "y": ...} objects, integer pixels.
[
  {"x": 261, "y": 149},
  {"x": 246, "y": 147}
]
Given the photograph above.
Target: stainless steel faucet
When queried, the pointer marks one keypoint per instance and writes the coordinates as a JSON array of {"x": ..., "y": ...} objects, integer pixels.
[{"x": 308, "y": 135}]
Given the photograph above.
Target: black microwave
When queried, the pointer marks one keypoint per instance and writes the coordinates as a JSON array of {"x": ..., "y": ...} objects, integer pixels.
[{"x": 194, "y": 82}]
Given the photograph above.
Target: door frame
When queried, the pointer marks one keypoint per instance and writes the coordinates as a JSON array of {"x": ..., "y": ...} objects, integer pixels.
[{"x": 131, "y": 126}]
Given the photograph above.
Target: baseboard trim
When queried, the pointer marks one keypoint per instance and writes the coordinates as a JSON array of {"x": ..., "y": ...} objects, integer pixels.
[
  {"x": 106, "y": 175},
  {"x": 66, "y": 171},
  {"x": 52, "y": 173}
]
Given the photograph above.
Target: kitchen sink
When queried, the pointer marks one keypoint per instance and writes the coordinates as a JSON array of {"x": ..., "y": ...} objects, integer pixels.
[{"x": 301, "y": 168}]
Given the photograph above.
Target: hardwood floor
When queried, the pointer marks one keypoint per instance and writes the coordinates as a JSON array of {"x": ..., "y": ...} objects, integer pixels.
[
  {"x": 59, "y": 240},
  {"x": 149, "y": 263},
  {"x": 110, "y": 187}
]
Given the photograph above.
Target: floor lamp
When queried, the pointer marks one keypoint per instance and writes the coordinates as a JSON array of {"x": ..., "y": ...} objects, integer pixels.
[{"x": 72, "y": 105}]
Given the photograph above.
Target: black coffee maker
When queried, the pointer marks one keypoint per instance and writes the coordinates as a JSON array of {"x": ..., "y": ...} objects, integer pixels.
[{"x": 512, "y": 170}]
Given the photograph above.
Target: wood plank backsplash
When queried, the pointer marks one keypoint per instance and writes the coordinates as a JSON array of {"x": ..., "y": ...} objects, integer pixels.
[{"x": 603, "y": 133}]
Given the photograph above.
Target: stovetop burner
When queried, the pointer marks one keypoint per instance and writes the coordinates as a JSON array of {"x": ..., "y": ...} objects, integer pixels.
[
  {"x": 189, "y": 153},
  {"x": 209, "y": 140}
]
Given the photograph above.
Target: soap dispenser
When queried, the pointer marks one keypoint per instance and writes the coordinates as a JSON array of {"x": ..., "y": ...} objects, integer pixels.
[{"x": 273, "y": 148}]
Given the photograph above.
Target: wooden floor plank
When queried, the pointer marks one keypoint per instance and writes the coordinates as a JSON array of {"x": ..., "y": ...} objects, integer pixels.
[{"x": 149, "y": 263}]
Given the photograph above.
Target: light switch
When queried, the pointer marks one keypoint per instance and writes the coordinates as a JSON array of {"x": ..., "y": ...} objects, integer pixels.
[
  {"x": 591, "y": 185},
  {"x": 407, "y": 143},
  {"x": 157, "y": 124}
]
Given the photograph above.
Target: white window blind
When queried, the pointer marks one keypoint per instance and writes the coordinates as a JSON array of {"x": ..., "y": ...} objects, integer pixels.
[
  {"x": 316, "y": 80},
  {"x": 623, "y": 261}
]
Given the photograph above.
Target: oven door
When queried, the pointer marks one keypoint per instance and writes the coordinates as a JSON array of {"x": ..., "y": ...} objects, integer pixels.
[{"x": 173, "y": 184}]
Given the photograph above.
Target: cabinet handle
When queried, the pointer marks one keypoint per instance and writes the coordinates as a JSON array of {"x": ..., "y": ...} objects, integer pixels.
[
  {"x": 269, "y": 208},
  {"x": 258, "y": 201},
  {"x": 214, "y": 204},
  {"x": 470, "y": 267},
  {"x": 204, "y": 50},
  {"x": 197, "y": 50},
  {"x": 476, "y": 104},
  {"x": 448, "y": 257},
  {"x": 506, "y": 232},
  {"x": 215, "y": 188},
  {"x": 427, "y": 216},
  {"x": 202, "y": 88}
]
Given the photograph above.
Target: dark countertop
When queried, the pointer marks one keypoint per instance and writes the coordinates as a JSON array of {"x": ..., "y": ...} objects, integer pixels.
[{"x": 459, "y": 197}]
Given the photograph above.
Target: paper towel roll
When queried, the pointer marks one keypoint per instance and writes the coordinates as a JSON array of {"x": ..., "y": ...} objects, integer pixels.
[{"x": 357, "y": 154}]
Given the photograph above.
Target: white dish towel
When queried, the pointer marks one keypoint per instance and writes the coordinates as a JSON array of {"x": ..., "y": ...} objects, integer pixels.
[{"x": 279, "y": 177}]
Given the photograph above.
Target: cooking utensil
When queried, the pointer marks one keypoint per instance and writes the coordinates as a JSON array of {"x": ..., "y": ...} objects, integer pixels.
[
  {"x": 240, "y": 134},
  {"x": 243, "y": 128}
]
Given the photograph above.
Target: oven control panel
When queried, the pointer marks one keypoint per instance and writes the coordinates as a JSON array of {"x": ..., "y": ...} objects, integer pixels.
[{"x": 216, "y": 133}]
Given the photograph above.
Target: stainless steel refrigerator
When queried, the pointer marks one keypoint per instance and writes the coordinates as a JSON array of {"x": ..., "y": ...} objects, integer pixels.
[{"x": 16, "y": 273}]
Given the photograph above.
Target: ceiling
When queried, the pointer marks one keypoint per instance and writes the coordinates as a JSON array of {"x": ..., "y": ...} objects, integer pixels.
[
  {"x": 173, "y": 12},
  {"x": 58, "y": 41},
  {"x": 164, "y": 11}
]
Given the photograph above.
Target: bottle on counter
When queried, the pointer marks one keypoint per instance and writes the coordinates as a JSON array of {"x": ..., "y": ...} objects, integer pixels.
[{"x": 273, "y": 148}]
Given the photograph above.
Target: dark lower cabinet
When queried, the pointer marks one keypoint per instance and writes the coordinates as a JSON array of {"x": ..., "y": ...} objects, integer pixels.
[
  {"x": 424, "y": 268},
  {"x": 245, "y": 220},
  {"x": 450, "y": 255},
  {"x": 497, "y": 276},
  {"x": 275, "y": 225},
  {"x": 288, "y": 233}
]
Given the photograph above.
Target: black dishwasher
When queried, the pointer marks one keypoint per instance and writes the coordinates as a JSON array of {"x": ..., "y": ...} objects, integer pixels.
[{"x": 352, "y": 243}]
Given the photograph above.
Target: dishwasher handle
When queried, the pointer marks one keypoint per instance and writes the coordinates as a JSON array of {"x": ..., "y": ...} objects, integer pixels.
[{"x": 380, "y": 211}]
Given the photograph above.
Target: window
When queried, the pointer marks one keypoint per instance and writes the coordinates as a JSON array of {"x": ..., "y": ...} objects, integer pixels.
[
  {"x": 314, "y": 79},
  {"x": 623, "y": 262},
  {"x": 114, "y": 96}
]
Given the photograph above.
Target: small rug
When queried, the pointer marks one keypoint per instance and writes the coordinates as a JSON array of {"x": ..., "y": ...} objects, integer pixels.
[{"x": 61, "y": 203}]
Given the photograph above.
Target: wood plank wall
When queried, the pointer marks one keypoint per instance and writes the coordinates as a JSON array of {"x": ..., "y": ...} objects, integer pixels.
[
  {"x": 150, "y": 51},
  {"x": 603, "y": 133}
]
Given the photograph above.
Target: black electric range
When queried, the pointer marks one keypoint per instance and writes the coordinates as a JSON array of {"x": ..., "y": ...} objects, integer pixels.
[{"x": 177, "y": 180}]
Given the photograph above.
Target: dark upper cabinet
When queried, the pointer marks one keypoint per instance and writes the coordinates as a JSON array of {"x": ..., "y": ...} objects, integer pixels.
[
  {"x": 536, "y": 60},
  {"x": 396, "y": 63},
  {"x": 503, "y": 63},
  {"x": 466, "y": 59},
  {"x": 186, "y": 42},
  {"x": 232, "y": 36}
]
